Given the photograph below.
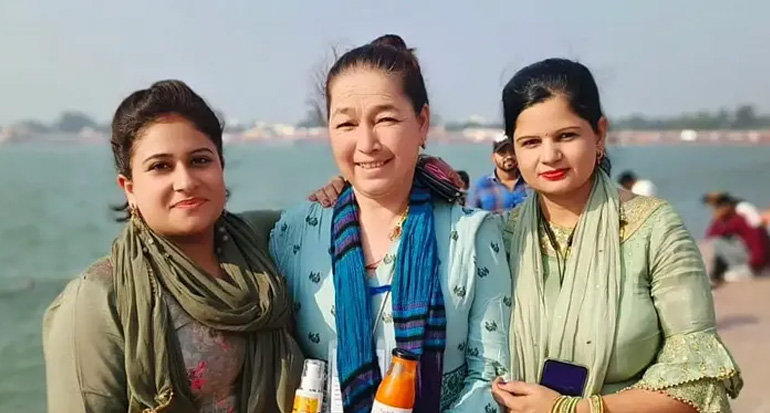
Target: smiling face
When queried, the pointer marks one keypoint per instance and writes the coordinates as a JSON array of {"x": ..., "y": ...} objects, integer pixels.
[
  {"x": 375, "y": 133},
  {"x": 177, "y": 181},
  {"x": 555, "y": 148}
]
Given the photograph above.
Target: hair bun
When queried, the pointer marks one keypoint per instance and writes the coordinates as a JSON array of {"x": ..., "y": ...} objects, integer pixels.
[{"x": 393, "y": 40}]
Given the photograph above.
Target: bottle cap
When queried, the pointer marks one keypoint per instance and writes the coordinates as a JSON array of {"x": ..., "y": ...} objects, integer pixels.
[
  {"x": 313, "y": 375},
  {"x": 405, "y": 354}
]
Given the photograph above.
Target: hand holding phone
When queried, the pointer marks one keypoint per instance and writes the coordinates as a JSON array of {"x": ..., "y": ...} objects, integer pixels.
[{"x": 566, "y": 378}]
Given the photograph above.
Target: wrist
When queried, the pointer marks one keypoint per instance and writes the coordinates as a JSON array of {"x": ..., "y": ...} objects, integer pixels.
[{"x": 583, "y": 406}]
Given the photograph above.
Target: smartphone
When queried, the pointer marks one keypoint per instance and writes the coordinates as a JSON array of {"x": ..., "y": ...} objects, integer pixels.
[{"x": 568, "y": 379}]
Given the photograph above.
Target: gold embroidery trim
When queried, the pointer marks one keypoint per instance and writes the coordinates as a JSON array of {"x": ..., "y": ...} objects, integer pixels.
[
  {"x": 677, "y": 398},
  {"x": 633, "y": 215}
]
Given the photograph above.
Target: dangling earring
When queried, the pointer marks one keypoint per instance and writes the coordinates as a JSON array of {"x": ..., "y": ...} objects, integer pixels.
[
  {"x": 599, "y": 157},
  {"x": 134, "y": 211}
]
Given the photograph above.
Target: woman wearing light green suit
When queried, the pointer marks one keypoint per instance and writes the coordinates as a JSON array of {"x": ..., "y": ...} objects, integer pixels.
[{"x": 602, "y": 278}]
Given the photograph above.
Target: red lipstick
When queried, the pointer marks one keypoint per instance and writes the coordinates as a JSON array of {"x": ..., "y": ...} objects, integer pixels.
[{"x": 555, "y": 175}]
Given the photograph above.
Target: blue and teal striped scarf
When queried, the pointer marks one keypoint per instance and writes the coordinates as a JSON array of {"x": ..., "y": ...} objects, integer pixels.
[{"x": 418, "y": 304}]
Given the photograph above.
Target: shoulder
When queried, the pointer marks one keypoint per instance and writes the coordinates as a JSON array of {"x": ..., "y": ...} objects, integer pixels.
[
  {"x": 303, "y": 227},
  {"x": 100, "y": 275},
  {"x": 466, "y": 217},
  {"x": 93, "y": 289},
  {"x": 469, "y": 225},
  {"x": 512, "y": 217},
  {"x": 300, "y": 218},
  {"x": 639, "y": 211},
  {"x": 482, "y": 181},
  {"x": 510, "y": 220},
  {"x": 302, "y": 213}
]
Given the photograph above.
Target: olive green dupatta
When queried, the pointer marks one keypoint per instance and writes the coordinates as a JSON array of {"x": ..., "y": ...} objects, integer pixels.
[
  {"x": 583, "y": 322},
  {"x": 254, "y": 302}
]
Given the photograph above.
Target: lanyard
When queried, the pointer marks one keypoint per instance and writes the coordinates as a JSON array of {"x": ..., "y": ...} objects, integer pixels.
[
  {"x": 378, "y": 290},
  {"x": 561, "y": 267}
]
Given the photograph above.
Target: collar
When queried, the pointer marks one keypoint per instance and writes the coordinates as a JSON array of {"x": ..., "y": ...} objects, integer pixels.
[{"x": 493, "y": 177}]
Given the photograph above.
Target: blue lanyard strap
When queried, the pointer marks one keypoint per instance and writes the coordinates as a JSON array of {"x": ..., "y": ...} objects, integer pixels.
[{"x": 379, "y": 290}]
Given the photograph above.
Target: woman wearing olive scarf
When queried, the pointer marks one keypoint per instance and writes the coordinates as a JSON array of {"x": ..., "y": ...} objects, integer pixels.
[{"x": 188, "y": 313}]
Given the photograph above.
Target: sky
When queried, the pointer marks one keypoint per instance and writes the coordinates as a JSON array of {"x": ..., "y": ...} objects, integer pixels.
[{"x": 255, "y": 60}]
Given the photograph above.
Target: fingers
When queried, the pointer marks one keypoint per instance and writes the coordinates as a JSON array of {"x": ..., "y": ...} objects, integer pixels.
[
  {"x": 502, "y": 396},
  {"x": 518, "y": 388},
  {"x": 328, "y": 195},
  {"x": 322, "y": 198},
  {"x": 338, "y": 183}
]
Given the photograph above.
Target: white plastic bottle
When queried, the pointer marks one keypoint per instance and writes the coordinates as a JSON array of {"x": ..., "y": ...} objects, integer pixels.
[{"x": 309, "y": 397}]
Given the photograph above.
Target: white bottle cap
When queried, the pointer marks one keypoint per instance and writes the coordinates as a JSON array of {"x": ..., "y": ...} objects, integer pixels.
[{"x": 313, "y": 375}]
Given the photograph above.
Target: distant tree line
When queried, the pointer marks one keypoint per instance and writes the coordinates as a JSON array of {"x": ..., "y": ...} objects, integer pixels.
[
  {"x": 67, "y": 122},
  {"x": 743, "y": 117}
]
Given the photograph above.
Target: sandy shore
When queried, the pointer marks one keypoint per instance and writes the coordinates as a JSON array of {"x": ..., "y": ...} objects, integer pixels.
[{"x": 743, "y": 320}]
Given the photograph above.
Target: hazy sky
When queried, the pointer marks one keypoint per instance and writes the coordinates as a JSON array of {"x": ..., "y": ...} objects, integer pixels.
[{"x": 254, "y": 59}]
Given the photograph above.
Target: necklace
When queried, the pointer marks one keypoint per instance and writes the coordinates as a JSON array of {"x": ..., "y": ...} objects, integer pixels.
[
  {"x": 398, "y": 229},
  {"x": 395, "y": 233}
]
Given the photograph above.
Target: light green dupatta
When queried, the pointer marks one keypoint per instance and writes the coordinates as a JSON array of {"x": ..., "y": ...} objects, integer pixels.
[{"x": 583, "y": 322}]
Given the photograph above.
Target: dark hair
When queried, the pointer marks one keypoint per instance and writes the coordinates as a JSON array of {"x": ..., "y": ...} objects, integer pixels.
[
  {"x": 389, "y": 54},
  {"x": 725, "y": 200},
  {"x": 543, "y": 80},
  {"x": 627, "y": 177},
  {"x": 146, "y": 106},
  {"x": 465, "y": 178}
]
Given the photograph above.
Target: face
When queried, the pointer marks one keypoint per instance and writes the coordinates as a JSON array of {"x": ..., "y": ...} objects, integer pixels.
[
  {"x": 375, "y": 133},
  {"x": 555, "y": 148},
  {"x": 177, "y": 179},
  {"x": 505, "y": 159},
  {"x": 722, "y": 211},
  {"x": 627, "y": 185}
]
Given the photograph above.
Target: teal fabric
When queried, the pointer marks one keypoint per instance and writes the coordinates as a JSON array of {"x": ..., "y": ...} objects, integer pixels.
[{"x": 474, "y": 278}]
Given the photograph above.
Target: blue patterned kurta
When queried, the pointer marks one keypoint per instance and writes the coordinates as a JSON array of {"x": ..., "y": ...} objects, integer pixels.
[{"x": 474, "y": 278}]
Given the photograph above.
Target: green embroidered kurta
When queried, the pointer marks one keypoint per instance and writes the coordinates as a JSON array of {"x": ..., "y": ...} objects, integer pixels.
[{"x": 666, "y": 337}]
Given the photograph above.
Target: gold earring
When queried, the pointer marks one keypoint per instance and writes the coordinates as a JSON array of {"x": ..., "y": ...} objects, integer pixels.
[{"x": 599, "y": 156}]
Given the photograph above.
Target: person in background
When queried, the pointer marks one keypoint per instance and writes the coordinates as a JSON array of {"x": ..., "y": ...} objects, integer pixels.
[
  {"x": 746, "y": 209},
  {"x": 466, "y": 180},
  {"x": 188, "y": 313},
  {"x": 630, "y": 182},
  {"x": 765, "y": 217},
  {"x": 604, "y": 278},
  {"x": 504, "y": 188},
  {"x": 740, "y": 249}
]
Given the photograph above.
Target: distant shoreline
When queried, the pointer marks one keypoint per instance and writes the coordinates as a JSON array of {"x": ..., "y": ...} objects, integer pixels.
[{"x": 437, "y": 135}]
